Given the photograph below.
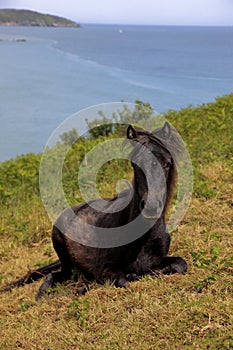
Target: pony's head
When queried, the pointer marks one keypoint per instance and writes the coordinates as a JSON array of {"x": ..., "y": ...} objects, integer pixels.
[{"x": 154, "y": 169}]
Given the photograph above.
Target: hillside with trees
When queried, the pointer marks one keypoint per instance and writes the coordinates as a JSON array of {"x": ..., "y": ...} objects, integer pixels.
[{"x": 12, "y": 17}]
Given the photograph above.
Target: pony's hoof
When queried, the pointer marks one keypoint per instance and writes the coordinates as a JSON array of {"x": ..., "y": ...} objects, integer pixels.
[
  {"x": 48, "y": 283},
  {"x": 121, "y": 283},
  {"x": 131, "y": 277}
]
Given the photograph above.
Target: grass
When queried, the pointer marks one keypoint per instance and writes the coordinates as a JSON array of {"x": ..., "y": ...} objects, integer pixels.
[{"x": 193, "y": 311}]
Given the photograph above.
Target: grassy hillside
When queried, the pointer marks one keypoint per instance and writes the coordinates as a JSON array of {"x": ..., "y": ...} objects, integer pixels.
[
  {"x": 32, "y": 18},
  {"x": 193, "y": 311}
]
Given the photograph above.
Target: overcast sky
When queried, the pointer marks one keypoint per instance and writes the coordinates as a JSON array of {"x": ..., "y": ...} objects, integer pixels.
[{"x": 173, "y": 12}]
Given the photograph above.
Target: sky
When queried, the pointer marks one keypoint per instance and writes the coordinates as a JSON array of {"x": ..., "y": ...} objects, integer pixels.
[{"x": 153, "y": 12}]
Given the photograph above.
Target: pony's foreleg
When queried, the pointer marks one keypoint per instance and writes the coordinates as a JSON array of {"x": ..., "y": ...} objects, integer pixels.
[
  {"x": 33, "y": 276},
  {"x": 116, "y": 276},
  {"x": 172, "y": 264},
  {"x": 50, "y": 281}
]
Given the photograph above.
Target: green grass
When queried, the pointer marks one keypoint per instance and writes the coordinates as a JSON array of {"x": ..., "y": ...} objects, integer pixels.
[{"x": 193, "y": 311}]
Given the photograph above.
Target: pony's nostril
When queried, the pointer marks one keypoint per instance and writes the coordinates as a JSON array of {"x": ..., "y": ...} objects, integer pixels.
[{"x": 151, "y": 211}]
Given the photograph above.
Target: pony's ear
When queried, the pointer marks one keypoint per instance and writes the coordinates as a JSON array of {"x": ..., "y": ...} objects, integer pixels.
[
  {"x": 166, "y": 130},
  {"x": 131, "y": 133}
]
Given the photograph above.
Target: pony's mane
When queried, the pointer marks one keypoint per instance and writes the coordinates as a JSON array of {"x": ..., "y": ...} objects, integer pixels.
[{"x": 171, "y": 143}]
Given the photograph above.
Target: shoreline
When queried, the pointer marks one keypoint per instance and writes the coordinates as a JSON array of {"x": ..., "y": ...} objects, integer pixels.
[{"x": 53, "y": 25}]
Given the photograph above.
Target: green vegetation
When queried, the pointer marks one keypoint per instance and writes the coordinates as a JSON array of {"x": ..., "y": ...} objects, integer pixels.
[
  {"x": 32, "y": 18},
  {"x": 193, "y": 311}
]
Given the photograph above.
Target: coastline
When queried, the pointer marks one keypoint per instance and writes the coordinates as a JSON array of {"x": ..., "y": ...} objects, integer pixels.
[
  {"x": 53, "y": 25},
  {"x": 27, "y": 18}
]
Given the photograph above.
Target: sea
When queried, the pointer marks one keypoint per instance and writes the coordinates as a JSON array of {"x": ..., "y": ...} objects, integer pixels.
[{"x": 48, "y": 74}]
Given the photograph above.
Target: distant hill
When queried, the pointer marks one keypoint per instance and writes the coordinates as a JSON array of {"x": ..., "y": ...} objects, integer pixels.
[{"x": 11, "y": 17}]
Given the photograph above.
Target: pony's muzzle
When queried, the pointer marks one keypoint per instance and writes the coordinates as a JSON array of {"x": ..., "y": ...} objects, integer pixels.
[{"x": 151, "y": 212}]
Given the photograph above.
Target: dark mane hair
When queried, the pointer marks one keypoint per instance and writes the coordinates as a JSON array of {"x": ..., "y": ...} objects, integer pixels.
[{"x": 173, "y": 144}]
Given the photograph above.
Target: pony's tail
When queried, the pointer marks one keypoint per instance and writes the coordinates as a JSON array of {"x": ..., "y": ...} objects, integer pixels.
[{"x": 32, "y": 276}]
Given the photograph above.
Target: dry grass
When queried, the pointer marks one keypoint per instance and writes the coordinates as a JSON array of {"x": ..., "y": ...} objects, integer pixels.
[{"x": 193, "y": 311}]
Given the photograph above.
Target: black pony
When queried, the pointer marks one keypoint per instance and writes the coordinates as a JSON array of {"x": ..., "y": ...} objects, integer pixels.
[{"x": 139, "y": 221}]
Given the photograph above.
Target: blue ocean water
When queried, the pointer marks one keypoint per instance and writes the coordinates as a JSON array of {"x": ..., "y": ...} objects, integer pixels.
[{"x": 58, "y": 71}]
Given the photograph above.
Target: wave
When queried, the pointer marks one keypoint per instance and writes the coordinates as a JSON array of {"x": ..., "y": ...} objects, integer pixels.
[{"x": 128, "y": 77}]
